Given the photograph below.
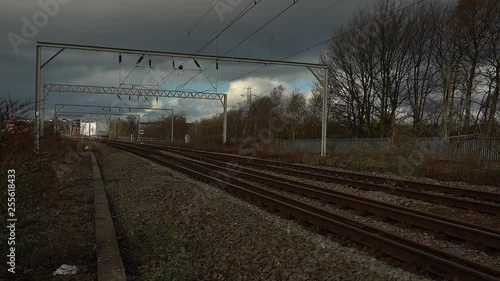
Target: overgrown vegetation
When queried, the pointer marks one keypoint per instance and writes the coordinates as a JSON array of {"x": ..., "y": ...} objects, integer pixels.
[
  {"x": 53, "y": 217},
  {"x": 168, "y": 256},
  {"x": 14, "y": 131},
  {"x": 154, "y": 252}
]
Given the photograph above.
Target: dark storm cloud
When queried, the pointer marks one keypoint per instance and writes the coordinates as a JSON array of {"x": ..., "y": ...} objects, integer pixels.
[{"x": 155, "y": 25}]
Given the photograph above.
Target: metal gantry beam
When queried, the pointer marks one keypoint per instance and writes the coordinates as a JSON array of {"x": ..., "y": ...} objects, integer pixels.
[
  {"x": 92, "y": 89},
  {"x": 62, "y": 105},
  {"x": 123, "y": 91},
  {"x": 172, "y": 54},
  {"x": 148, "y": 92},
  {"x": 38, "y": 103}
]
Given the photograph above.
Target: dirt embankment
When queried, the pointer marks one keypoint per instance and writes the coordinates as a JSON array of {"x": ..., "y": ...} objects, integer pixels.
[{"x": 54, "y": 209}]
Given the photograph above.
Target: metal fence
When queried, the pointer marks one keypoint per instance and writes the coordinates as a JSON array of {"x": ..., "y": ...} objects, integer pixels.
[{"x": 485, "y": 149}]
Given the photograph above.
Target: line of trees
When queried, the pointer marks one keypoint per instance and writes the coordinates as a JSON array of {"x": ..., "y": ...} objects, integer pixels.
[
  {"x": 428, "y": 69},
  {"x": 434, "y": 65}
]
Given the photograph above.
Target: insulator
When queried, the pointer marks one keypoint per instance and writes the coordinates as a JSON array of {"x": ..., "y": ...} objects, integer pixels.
[
  {"x": 120, "y": 59},
  {"x": 197, "y": 64},
  {"x": 140, "y": 59}
]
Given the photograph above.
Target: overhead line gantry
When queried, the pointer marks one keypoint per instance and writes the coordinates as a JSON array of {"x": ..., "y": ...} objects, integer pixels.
[
  {"x": 62, "y": 105},
  {"x": 62, "y": 46}
]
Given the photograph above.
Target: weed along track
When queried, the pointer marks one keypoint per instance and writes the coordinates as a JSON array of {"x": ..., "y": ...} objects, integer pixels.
[{"x": 247, "y": 183}]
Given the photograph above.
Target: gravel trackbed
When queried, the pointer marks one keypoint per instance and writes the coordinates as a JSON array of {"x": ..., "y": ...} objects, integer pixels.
[{"x": 227, "y": 238}]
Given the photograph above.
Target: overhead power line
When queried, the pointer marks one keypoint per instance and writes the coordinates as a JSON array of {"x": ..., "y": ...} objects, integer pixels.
[
  {"x": 193, "y": 27},
  {"x": 203, "y": 17},
  {"x": 350, "y": 30},
  {"x": 260, "y": 28},
  {"x": 320, "y": 43},
  {"x": 252, "y": 4},
  {"x": 307, "y": 18},
  {"x": 246, "y": 38},
  {"x": 247, "y": 9}
]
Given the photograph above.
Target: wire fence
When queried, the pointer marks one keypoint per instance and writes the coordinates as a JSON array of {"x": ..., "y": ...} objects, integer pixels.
[{"x": 485, "y": 149}]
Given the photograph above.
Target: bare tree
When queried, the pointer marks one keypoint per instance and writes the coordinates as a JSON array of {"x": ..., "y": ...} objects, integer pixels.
[
  {"x": 295, "y": 112},
  {"x": 492, "y": 63},
  {"x": 447, "y": 54},
  {"x": 423, "y": 77},
  {"x": 470, "y": 22},
  {"x": 13, "y": 121}
]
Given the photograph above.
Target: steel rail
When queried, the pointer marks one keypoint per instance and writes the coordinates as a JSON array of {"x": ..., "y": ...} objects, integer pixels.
[
  {"x": 481, "y": 235},
  {"x": 429, "y": 259},
  {"x": 435, "y": 198},
  {"x": 477, "y": 194}
]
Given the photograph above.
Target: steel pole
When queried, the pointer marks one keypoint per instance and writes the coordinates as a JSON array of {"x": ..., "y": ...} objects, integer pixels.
[
  {"x": 42, "y": 114},
  {"x": 172, "y": 128},
  {"x": 224, "y": 129},
  {"x": 139, "y": 130},
  {"x": 37, "y": 99},
  {"x": 55, "y": 120},
  {"x": 324, "y": 120}
]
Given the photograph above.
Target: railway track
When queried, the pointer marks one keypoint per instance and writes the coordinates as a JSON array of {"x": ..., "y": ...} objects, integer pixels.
[
  {"x": 482, "y": 195},
  {"x": 454, "y": 228},
  {"x": 407, "y": 189},
  {"x": 427, "y": 258}
]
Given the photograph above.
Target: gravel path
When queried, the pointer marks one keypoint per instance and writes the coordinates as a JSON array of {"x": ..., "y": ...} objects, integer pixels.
[{"x": 230, "y": 239}]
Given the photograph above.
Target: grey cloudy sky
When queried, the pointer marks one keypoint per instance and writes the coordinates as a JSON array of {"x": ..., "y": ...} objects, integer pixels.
[{"x": 162, "y": 25}]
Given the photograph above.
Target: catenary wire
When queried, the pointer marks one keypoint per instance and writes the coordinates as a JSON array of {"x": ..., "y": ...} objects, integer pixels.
[
  {"x": 318, "y": 44},
  {"x": 245, "y": 39}
]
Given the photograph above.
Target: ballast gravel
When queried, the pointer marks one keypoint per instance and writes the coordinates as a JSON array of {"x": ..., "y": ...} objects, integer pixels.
[{"x": 230, "y": 239}]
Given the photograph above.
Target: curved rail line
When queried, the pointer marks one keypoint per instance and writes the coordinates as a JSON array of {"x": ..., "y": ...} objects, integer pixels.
[
  {"x": 478, "y": 234},
  {"x": 409, "y": 192},
  {"x": 477, "y": 194},
  {"x": 427, "y": 258}
]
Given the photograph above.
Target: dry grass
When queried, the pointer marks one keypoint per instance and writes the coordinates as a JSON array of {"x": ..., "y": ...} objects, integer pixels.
[{"x": 54, "y": 213}]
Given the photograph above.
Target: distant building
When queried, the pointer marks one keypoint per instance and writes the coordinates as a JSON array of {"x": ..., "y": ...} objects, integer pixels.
[{"x": 88, "y": 129}]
